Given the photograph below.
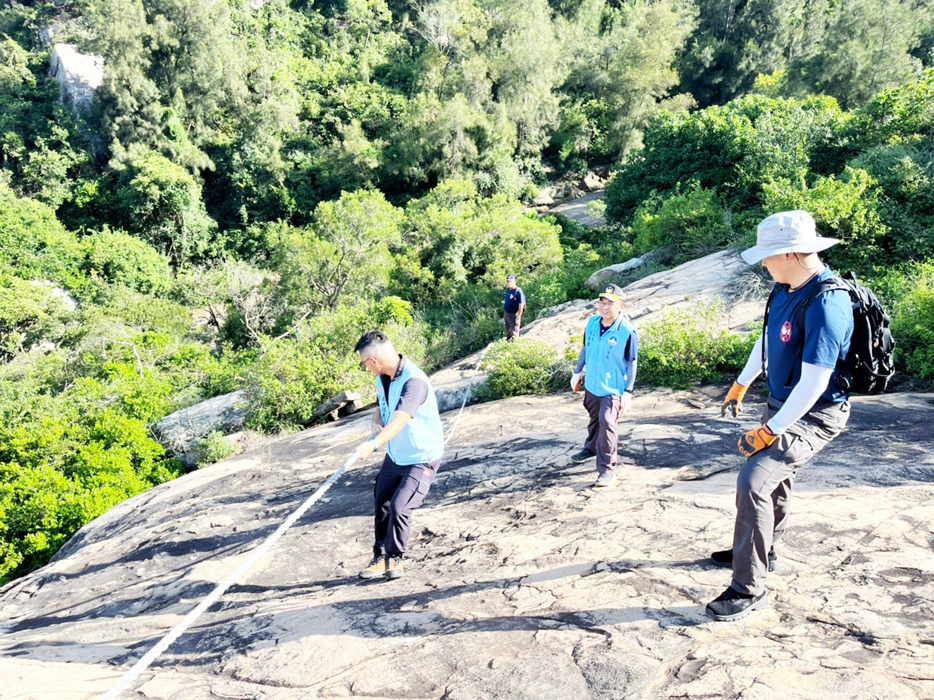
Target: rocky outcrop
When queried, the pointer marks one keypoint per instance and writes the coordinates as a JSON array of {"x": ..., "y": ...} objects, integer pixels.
[
  {"x": 578, "y": 209},
  {"x": 572, "y": 199},
  {"x": 522, "y": 581},
  {"x": 343, "y": 404},
  {"x": 592, "y": 182},
  {"x": 179, "y": 431},
  {"x": 616, "y": 274},
  {"x": 543, "y": 199},
  {"x": 78, "y": 75}
]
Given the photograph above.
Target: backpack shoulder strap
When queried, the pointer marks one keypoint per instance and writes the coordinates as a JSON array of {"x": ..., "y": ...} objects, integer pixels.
[
  {"x": 776, "y": 288},
  {"x": 830, "y": 284}
]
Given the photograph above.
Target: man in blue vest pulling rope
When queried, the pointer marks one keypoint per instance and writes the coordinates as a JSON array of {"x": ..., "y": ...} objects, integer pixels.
[
  {"x": 407, "y": 424},
  {"x": 610, "y": 353}
]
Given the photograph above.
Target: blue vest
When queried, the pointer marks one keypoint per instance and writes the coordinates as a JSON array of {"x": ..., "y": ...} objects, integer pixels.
[
  {"x": 421, "y": 440},
  {"x": 606, "y": 357}
]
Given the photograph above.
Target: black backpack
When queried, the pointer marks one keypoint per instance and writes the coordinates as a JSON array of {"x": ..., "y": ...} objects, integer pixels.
[{"x": 869, "y": 365}]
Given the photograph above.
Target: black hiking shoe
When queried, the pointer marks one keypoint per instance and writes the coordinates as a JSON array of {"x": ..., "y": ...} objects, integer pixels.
[
  {"x": 732, "y": 605},
  {"x": 582, "y": 456},
  {"x": 725, "y": 558}
]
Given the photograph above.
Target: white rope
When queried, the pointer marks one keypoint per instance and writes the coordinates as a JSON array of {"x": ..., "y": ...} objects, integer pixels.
[
  {"x": 466, "y": 397},
  {"x": 180, "y": 628}
]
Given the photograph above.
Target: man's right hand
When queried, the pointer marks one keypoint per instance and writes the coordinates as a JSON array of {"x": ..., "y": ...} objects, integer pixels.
[
  {"x": 734, "y": 400},
  {"x": 575, "y": 380}
]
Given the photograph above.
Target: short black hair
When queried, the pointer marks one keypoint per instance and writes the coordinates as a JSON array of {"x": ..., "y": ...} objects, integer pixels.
[{"x": 371, "y": 338}]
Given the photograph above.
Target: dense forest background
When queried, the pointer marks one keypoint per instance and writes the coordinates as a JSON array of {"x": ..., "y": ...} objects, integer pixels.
[{"x": 298, "y": 172}]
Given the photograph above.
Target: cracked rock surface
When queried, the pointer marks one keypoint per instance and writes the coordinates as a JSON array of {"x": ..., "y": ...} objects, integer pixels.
[{"x": 522, "y": 581}]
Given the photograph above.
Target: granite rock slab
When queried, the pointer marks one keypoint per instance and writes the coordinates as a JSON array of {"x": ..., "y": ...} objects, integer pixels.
[{"x": 522, "y": 580}]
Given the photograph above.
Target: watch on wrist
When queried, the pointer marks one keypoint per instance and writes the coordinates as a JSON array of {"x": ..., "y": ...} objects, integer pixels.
[{"x": 375, "y": 444}]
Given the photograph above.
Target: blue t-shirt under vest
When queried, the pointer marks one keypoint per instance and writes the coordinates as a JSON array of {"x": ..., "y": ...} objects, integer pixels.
[
  {"x": 421, "y": 440},
  {"x": 828, "y": 328},
  {"x": 607, "y": 356}
]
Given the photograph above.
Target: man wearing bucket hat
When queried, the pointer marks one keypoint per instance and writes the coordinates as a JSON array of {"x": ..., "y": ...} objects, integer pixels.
[
  {"x": 610, "y": 353},
  {"x": 806, "y": 409},
  {"x": 513, "y": 307}
]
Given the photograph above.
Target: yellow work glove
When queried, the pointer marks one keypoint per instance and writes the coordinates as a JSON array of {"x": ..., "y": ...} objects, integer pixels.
[
  {"x": 734, "y": 399},
  {"x": 756, "y": 440}
]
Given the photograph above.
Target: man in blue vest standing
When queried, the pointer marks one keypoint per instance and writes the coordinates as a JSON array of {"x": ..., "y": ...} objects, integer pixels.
[
  {"x": 407, "y": 424},
  {"x": 513, "y": 308},
  {"x": 610, "y": 354},
  {"x": 806, "y": 407}
]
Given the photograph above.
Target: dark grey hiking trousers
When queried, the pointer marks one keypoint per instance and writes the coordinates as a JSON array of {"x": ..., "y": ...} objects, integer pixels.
[
  {"x": 513, "y": 325},
  {"x": 398, "y": 491},
  {"x": 763, "y": 489}
]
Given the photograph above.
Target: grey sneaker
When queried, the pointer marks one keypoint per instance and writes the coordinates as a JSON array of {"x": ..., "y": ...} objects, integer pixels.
[
  {"x": 582, "y": 456},
  {"x": 731, "y": 605},
  {"x": 375, "y": 569},
  {"x": 605, "y": 480}
]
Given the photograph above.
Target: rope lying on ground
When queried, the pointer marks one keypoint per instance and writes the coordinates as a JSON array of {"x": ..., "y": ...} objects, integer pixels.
[
  {"x": 212, "y": 597},
  {"x": 126, "y": 679}
]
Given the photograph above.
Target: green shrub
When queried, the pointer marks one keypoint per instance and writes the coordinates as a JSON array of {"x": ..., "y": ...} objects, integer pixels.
[
  {"x": 33, "y": 244},
  {"x": 686, "y": 346},
  {"x": 469, "y": 322},
  {"x": 161, "y": 202},
  {"x": 30, "y": 311},
  {"x": 344, "y": 254},
  {"x": 695, "y": 222},
  {"x": 115, "y": 305},
  {"x": 392, "y": 309},
  {"x": 569, "y": 281},
  {"x": 572, "y": 233},
  {"x": 213, "y": 447},
  {"x": 64, "y": 460},
  {"x": 124, "y": 259},
  {"x": 296, "y": 374},
  {"x": 457, "y": 239},
  {"x": 224, "y": 373},
  {"x": 523, "y": 367},
  {"x": 730, "y": 149},
  {"x": 845, "y": 208},
  {"x": 905, "y": 176},
  {"x": 910, "y": 295},
  {"x": 899, "y": 115}
]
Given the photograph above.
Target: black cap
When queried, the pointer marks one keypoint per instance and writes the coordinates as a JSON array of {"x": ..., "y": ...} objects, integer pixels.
[{"x": 613, "y": 292}]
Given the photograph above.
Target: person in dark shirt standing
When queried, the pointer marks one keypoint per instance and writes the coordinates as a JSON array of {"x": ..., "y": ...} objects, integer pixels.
[
  {"x": 513, "y": 307},
  {"x": 407, "y": 423},
  {"x": 806, "y": 407}
]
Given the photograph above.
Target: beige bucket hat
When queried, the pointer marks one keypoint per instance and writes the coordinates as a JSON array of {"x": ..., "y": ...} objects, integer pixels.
[{"x": 786, "y": 232}]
